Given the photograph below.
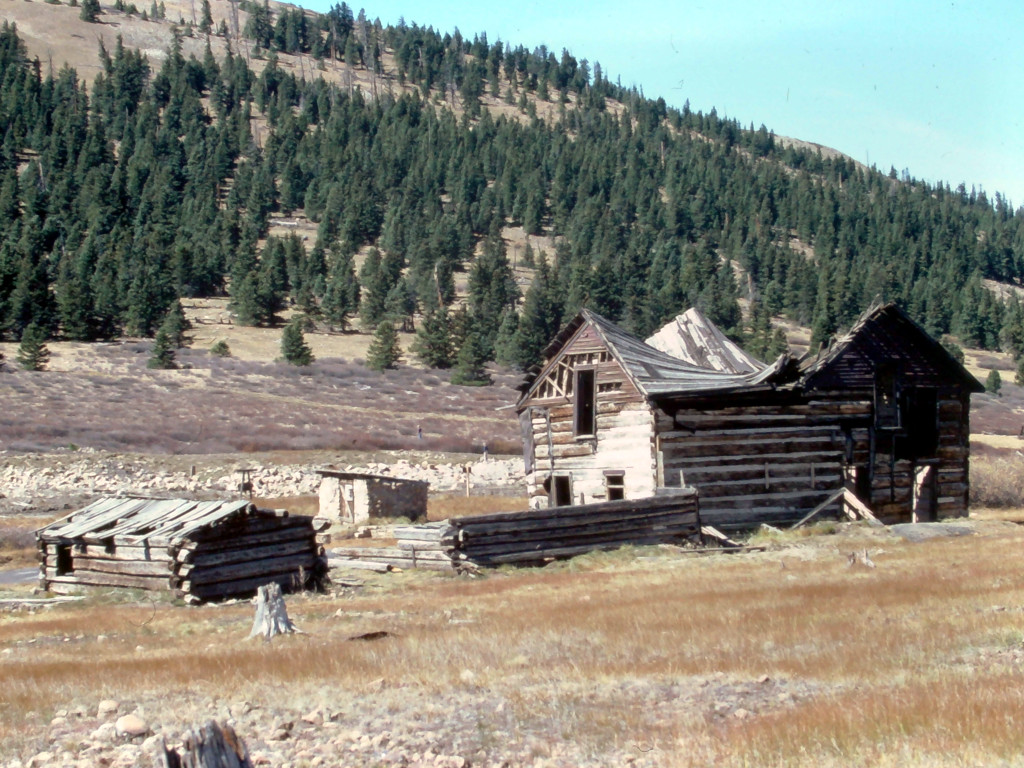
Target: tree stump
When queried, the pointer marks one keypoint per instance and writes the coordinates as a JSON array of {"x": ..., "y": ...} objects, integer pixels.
[
  {"x": 208, "y": 747},
  {"x": 271, "y": 615}
]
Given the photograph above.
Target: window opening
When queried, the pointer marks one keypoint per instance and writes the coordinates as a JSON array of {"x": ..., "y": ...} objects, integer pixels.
[
  {"x": 615, "y": 485},
  {"x": 585, "y": 412}
]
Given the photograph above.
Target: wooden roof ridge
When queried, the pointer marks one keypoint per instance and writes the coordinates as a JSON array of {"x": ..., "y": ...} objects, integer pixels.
[
  {"x": 813, "y": 364},
  {"x": 692, "y": 337}
]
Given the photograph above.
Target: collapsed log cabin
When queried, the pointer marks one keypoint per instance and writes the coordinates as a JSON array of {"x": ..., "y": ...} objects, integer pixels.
[
  {"x": 883, "y": 412},
  {"x": 200, "y": 550}
]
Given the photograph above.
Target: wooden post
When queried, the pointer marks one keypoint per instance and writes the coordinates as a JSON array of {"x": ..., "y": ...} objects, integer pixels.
[{"x": 271, "y": 615}]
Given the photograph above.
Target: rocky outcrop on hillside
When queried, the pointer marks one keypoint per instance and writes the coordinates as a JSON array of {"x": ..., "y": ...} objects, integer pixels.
[{"x": 42, "y": 483}]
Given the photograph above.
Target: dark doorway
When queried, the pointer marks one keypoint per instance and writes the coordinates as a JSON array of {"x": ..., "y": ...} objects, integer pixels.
[
  {"x": 64, "y": 564},
  {"x": 561, "y": 490}
]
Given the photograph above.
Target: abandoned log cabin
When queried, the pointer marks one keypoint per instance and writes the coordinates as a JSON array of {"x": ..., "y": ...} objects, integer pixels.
[
  {"x": 884, "y": 412},
  {"x": 199, "y": 549}
]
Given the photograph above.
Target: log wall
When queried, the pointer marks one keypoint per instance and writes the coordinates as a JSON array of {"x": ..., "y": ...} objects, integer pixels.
[
  {"x": 222, "y": 561},
  {"x": 757, "y": 463},
  {"x": 893, "y": 481}
]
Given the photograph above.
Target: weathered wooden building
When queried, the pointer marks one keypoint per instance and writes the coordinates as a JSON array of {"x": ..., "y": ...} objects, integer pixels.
[
  {"x": 198, "y": 549},
  {"x": 884, "y": 412}
]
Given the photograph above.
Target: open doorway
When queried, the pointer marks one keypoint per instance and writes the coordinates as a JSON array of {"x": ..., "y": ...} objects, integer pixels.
[{"x": 561, "y": 490}]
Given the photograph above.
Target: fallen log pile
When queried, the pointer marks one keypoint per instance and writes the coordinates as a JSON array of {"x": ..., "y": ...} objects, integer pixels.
[
  {"x": 418, "y": 546},
  {"x": 542, "y": 535},
  {"x": 532, "y": 537}
]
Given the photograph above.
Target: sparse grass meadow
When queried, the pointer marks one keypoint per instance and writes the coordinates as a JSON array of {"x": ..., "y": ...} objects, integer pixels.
[{"x": 786, "y": 657}]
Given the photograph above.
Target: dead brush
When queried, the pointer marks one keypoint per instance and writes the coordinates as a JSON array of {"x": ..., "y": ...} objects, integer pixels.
[{"x": 997, "y": 480}]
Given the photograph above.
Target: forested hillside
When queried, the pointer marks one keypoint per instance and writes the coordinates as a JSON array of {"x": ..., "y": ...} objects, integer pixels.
[{"x": 149, "y": 184}]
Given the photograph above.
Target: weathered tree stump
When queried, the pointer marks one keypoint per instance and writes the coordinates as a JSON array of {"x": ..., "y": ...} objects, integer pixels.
[
  {"x": 208, "y": 747},
  {"x": 271, "y": 615}
]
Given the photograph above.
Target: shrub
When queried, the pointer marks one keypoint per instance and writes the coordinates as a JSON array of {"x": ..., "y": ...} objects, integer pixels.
[
  {"x": 220, "y": 348},
  {"x": 994, "y": 382}
]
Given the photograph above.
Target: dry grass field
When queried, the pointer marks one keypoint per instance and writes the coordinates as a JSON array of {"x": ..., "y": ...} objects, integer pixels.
[{"x": 646, "y": 657}]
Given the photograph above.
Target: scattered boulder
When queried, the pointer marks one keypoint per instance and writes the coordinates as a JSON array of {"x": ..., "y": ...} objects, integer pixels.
[{"x": 131, "y": 725}]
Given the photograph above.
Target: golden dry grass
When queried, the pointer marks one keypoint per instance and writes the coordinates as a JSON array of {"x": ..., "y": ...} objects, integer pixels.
[
  {"x": 914, "y": 662},
  {"x": 447, "y": 505}
]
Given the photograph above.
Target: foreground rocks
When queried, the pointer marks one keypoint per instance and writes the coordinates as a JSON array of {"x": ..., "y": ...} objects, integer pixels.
[{"x": 532, "y": 725}]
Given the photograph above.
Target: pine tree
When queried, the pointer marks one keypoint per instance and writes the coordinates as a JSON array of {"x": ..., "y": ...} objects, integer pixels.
[
  {"x": 33, "y": 354},
  {"x": 206, "y": 24},
  {"x": 469, "y": 367},
  {"x": 341, "y": 295},
  {"x": 220, "y": 348},
  {"x": 433, "y": 342},
  {"x": 162, "y": 356},
  {"x": 384, "y": 351},
  {"x": 90, "y": 11},
  {"x": 293, "y": 344},
  {"x": 176, "y": 326},
  {"x": 506, "y": 343}
]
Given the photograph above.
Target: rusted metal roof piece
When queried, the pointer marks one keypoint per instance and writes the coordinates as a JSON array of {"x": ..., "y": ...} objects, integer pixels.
[
  {"x": 141, "y": 520},
  {"x": 693, "y": 338}
]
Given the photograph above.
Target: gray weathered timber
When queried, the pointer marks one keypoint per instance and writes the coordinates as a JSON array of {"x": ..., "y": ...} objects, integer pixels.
[
  {"x": 199, "y": 549},
  {"x": 882, "y": 413}
]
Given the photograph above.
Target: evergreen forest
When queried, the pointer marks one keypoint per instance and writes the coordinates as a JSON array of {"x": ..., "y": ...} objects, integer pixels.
[{"x": 152, "y": 184}]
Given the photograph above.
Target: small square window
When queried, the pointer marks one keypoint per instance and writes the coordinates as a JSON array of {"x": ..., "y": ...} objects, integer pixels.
[{"x": 615, "y": 485}]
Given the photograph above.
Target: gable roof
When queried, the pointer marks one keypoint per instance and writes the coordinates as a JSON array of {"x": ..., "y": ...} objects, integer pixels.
[
  {"x": 884, "y": 332},
  {"x": 695, "y": 339},
  {"x": 653, "y": 372},
  {"x": 143, "y": 519}
]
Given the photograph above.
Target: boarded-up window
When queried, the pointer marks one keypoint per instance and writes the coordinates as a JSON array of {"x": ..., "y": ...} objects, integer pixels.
[
  {"x": 615, "y": 484},
  {"x": 585, "y": 410}
]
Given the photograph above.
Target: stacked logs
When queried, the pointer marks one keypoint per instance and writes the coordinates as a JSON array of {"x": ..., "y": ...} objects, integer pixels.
[{"x": 539, "y": 536}]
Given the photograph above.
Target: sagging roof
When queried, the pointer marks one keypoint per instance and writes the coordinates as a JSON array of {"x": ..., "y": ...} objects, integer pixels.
[
  {"x": 656, "y": 373},
  {"x": 695, "y": 339},
  {"x": 883, "y": 333},
  {"x": 141, "y": 520}
]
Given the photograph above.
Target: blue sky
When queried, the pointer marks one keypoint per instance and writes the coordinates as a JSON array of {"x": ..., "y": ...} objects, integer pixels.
[{"x": 936, "y": 88}]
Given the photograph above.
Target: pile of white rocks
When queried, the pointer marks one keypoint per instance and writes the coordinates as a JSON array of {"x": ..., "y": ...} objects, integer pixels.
[{"x": 30, "y": 485}]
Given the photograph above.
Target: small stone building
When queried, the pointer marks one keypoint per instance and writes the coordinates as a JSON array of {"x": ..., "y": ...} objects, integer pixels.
[{"x": 353, "y": 498}]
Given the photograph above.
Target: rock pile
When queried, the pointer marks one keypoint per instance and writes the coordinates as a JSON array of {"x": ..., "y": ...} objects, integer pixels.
[{"x": 44, "y": 482}]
